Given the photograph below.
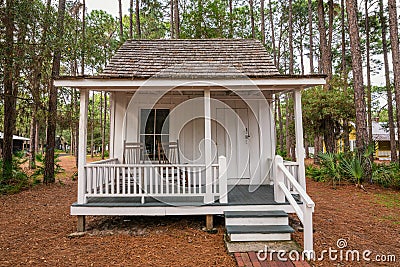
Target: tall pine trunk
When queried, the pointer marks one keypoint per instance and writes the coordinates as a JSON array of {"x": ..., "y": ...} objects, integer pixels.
[
  {"x": 393, "y": 147},
  {"x": 230, "y": 19},
  {"x": 171, "y": 19},
  {"x": 367, "y": 57},
  {"x": 262, "y": 22},
  {"x": 10, "y": 93},
  {"x": 361, "y": 126},
  {"x": 131, "y": 19},
  {"x": 176, "y": 19},
  {"x": 253, "y": 31},
  {"x": 301, "y": 50},
  {"x": 326, "y": 54},
  {"x": 271, "y": 22},
  {"x": 290, "y": 29},
  {"x": 310, "y": 34},
  {"x": 137, "y": 16},
  {"x": 83, "y": 38},
  {"x": 394, "y": 41},
  {"x": 32, "y": 138},
  {"x": 49, "y": 176},
  {"x": 289, "y": 112},
  {"x": 121, "y": 27},
  {"x": 346, "y": 128},
  {"x": 328, "y": 125}
]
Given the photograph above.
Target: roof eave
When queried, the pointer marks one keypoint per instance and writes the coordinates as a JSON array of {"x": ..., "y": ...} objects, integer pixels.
[{"x": 271, "y": 82}]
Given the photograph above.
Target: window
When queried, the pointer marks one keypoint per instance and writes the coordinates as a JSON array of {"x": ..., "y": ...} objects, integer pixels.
[{"x": 154, "y": 128}]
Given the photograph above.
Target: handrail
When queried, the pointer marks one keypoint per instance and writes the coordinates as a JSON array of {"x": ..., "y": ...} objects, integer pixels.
[
  {"x": 104, "y": 161},
  {"x": 147, "y": 165},
  {"x": 292, "y": 201},
  {"x": 305, "y": 211},
  {"x": 306, "y": 198},
  {"x": 290, "y": 163}
]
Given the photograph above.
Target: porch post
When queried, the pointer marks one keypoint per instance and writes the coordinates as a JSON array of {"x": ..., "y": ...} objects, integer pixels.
[
  {"x": 83, "y": 113},
  {"x": 112, "y": 124},
  {"x": 300, "y": 152},
  {"x": 209, "y": 198}
]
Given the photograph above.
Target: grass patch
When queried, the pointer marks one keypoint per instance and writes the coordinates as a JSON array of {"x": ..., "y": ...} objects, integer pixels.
[
  {"x": 394, "y": 219},
  {"x": 389, "y": 200}
]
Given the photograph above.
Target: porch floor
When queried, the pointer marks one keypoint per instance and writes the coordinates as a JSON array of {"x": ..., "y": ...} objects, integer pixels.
[{"x": 237, "y": 195}]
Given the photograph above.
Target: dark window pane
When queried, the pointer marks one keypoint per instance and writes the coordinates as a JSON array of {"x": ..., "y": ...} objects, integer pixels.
[
  {"x": 149, "y": 147},
  {"x": 153, "y": 123},
  {"x": 162, "y": 121},
  {"x": 144, "y": 115},
  {"x": 150, "y": 122}
]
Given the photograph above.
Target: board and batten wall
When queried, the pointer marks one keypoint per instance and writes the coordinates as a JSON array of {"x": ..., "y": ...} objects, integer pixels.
[{"x": 242, "y": 131}]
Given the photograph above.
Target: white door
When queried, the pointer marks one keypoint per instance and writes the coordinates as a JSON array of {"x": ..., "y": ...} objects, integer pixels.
[{"x": 233, "y": 142}]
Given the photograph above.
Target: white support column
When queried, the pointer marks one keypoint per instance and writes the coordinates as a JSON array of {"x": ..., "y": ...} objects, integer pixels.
[
  {"x": 112, "y": 123},
  {"x": 223, "y": 180},
  {"x": 279, "y": 196},
  {"x": 120, "y": 102},
  {"x": 83, "y": 115},
  {"x": 308, "y": 232},
  {"x": 300, "y": 152},
  {"x": 209, "y": 198}
]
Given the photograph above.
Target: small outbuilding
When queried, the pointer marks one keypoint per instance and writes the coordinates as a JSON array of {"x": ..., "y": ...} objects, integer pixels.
[
  {"x": 192, "y": 132},
  {"x": 19, "y": 143}
]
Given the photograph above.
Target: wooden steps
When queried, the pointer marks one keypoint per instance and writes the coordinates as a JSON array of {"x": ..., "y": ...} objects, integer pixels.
[{"x": 242, "y": 226}]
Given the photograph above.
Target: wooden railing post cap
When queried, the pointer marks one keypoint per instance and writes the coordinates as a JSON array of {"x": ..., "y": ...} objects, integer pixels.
[{"x": 278, "y": 158}]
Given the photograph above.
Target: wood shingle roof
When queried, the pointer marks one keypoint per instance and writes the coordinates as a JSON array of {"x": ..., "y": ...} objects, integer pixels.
[{"x": 199, "y": 58}]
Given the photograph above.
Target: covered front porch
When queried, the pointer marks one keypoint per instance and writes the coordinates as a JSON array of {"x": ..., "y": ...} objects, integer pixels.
[
  {"x": 152, "y": 187},
  {"x": 192, "y": 132},
  {"x": 209, "y": 163}
]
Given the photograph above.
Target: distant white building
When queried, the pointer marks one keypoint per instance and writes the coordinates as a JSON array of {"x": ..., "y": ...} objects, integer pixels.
[{"x": 19, "y": 143}]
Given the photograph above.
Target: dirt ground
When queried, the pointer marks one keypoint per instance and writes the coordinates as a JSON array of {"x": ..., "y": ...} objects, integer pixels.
[
  {"x": 365, "y": 220},
  {"x": 35, "y": 224}
]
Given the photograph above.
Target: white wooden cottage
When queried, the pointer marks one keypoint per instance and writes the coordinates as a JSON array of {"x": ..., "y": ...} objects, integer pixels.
[{"x": 192, "y": 133}]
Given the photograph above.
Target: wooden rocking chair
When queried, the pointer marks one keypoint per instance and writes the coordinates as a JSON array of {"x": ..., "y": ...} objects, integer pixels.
[{"x": 133, "y": 152}]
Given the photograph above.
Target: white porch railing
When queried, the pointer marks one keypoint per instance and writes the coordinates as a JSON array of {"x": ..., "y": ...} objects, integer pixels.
[
  {"x": 105, "y": 161},
  {"x": 292, "y": 167},
  {"x": 283, "y": 181},
  {"x": 109, "y": 178}
]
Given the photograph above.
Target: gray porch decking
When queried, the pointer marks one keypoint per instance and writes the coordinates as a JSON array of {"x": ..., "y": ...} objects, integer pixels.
[{"x": 237, "y": 195}]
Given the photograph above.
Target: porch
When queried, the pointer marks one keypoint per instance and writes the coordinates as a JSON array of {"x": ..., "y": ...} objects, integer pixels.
[
  {"x": 109, "y": 183},
  {"x": 239, "y": 195},
  {"x": 220, "y": 108}
]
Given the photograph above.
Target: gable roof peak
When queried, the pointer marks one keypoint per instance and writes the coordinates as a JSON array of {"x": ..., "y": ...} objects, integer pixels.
[{"x": 191, "y": 58}]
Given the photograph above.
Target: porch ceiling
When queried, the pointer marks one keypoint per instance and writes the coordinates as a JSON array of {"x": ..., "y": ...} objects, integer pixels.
[{"x": 271, "y": 83}]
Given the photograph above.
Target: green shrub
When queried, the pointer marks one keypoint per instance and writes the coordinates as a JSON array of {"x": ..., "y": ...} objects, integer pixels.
[
  {"x": 354, "y": 167},
  {"x": 351, "y": 166},
  {"x": 387, "y": 175},
  {"x": 40, "y": 168},
  {"x": 316, "y": 173},
  {"x": 281, "y": 153},
  {"x": 19, "y": 179}
]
